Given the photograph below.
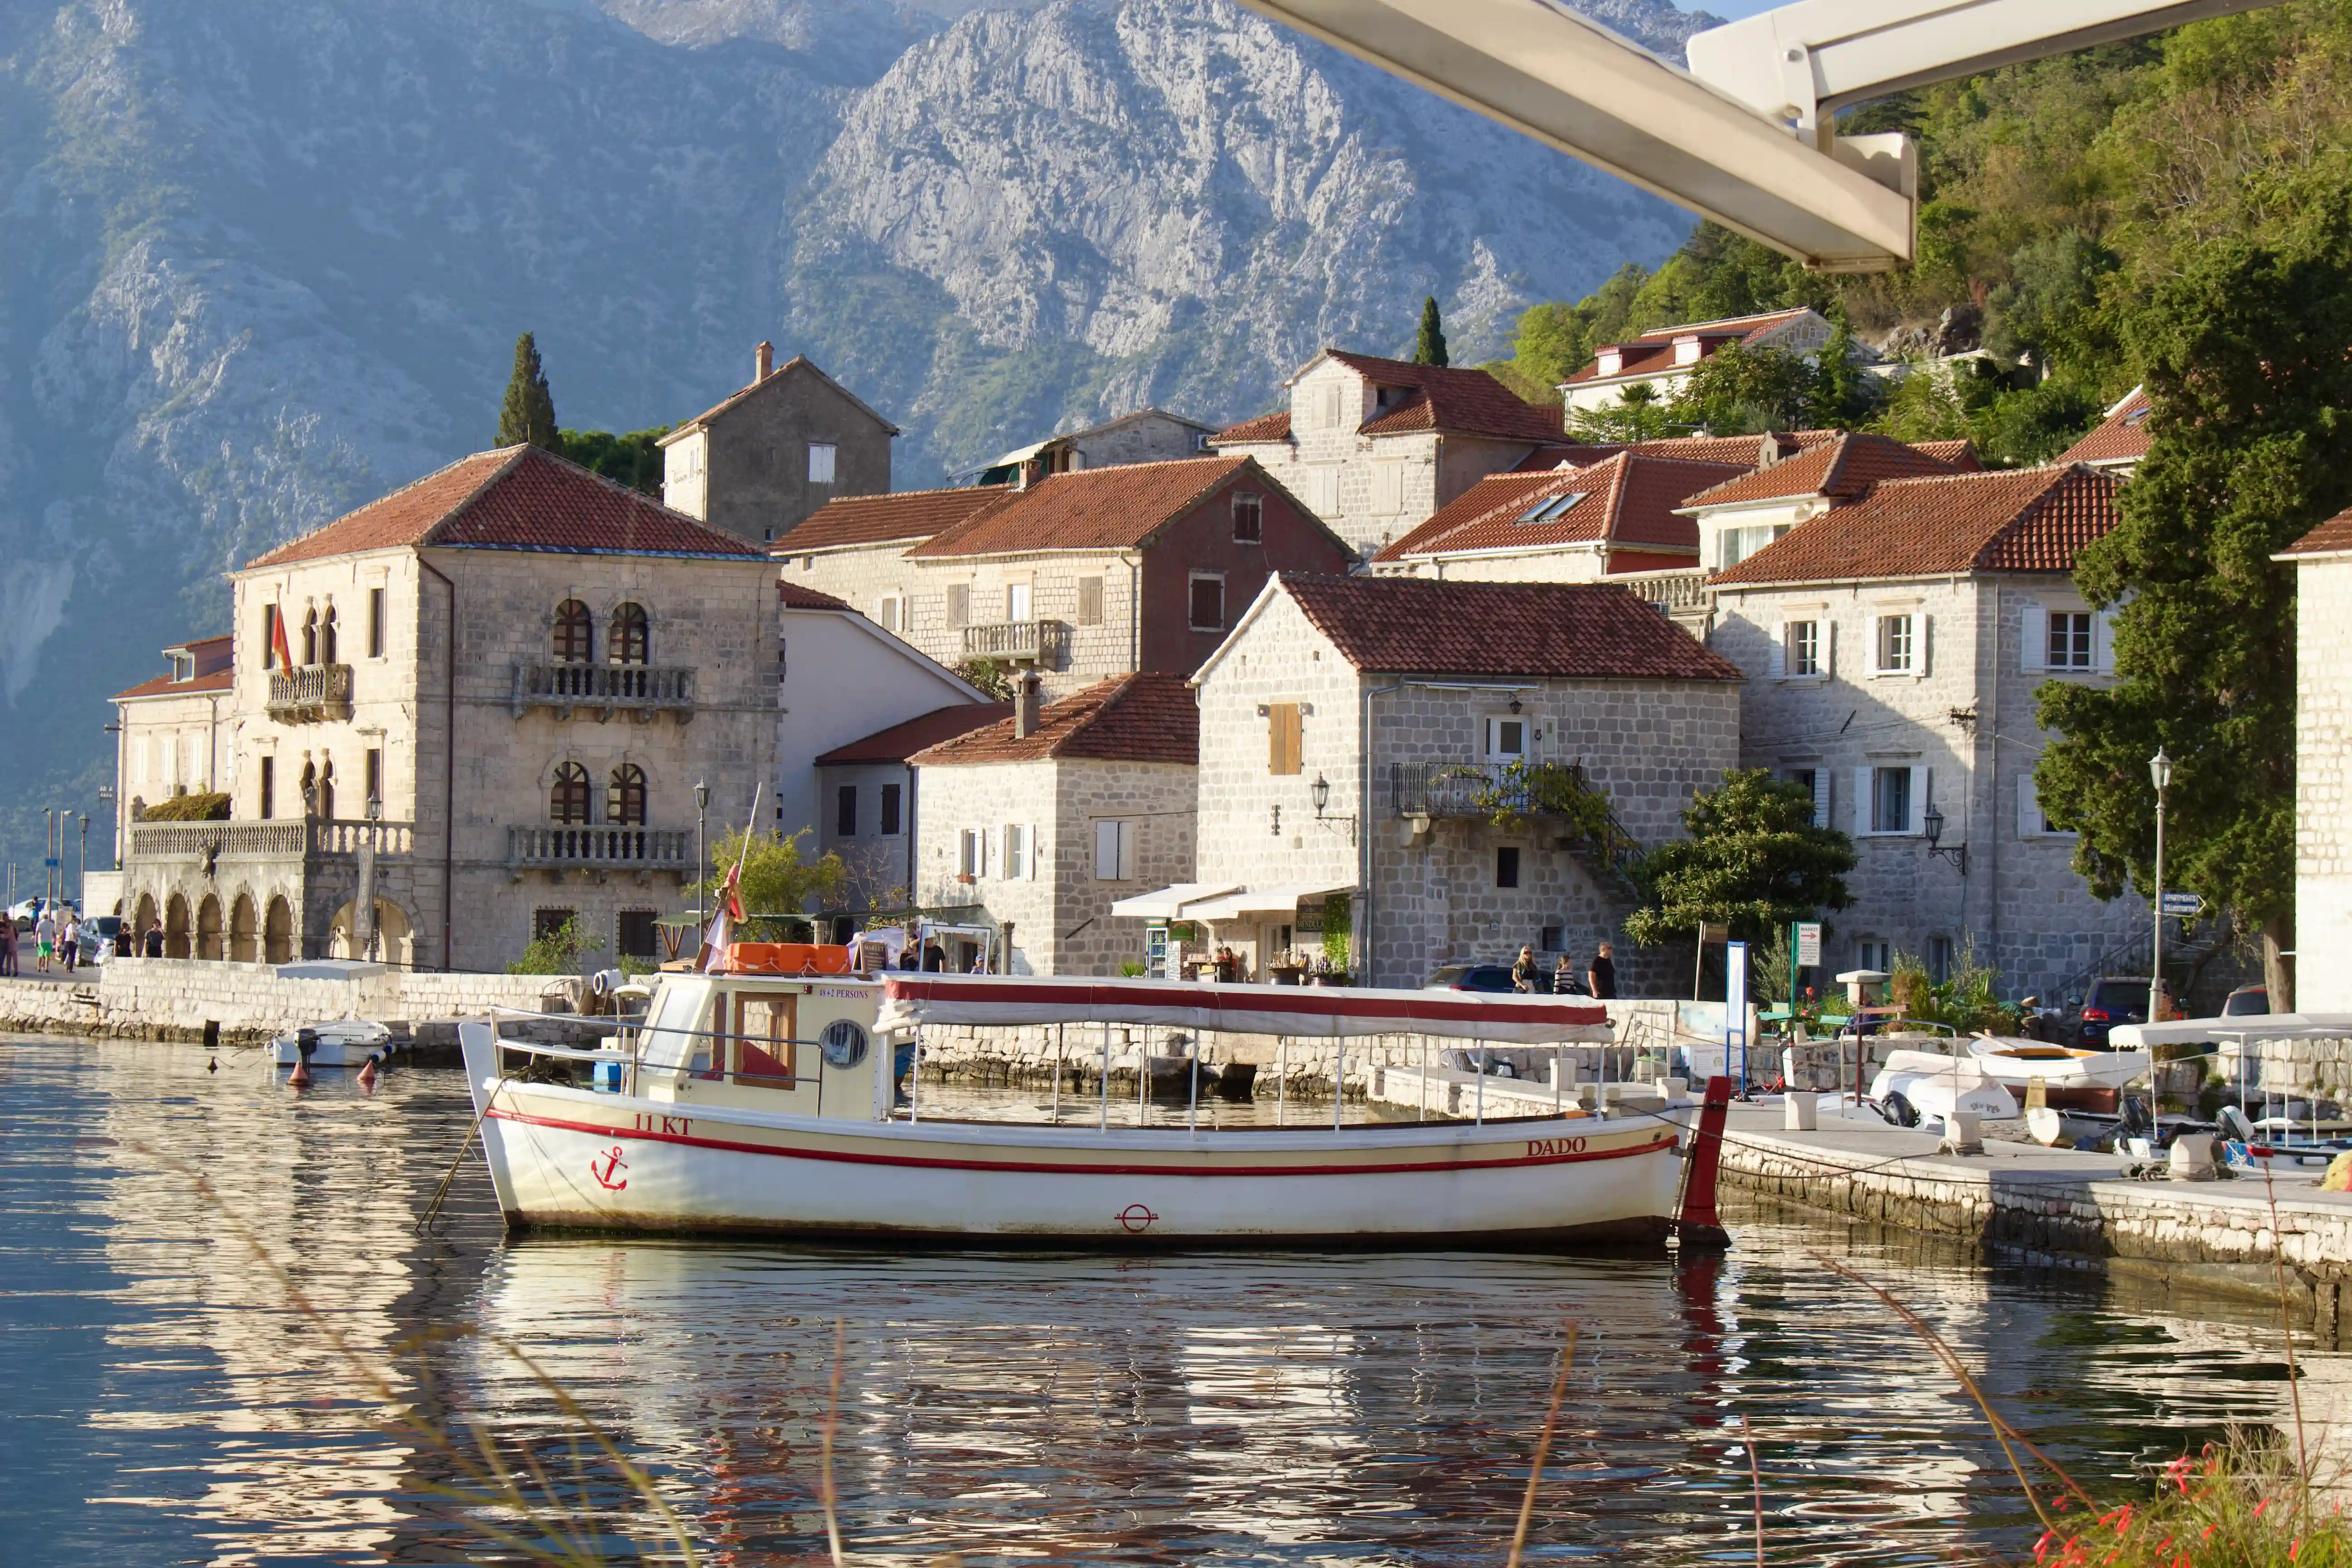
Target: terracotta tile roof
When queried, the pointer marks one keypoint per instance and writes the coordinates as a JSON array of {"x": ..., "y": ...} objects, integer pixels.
[
  {"x": 1961, "y": 455},
  {"x": 899, "y": 741},
  {"x": 1414, "y": 626},
  {"x": 792, "y": 596},
  {"x": 2120, "y": 438},
  {"x": 1442, "y": 397},
  {"x": 518, "y": 498},
  {"x": 798, "y": 361},
  {"x": 165, "y": 686},
  {"x": 1275, "y": 426},
  {"x": 2327, "y": 539},
  {"x": 1650, "y": 353},
  {"x": 2026, "y": 520},
  {"x": 1131, "y": 718},
  {"x": 1574, "y": 454},
  {"x": 886, "y": 519},
  {"x": 1091, "y": 509},
  {"x": 1844, "y": 466},
  {"x": 1628, "y": 499},
  {"x": 1747, "y": 451}
]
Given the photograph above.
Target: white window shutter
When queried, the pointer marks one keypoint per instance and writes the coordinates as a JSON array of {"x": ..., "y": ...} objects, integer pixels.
[
  {"x": 1860, "y": 801},
  {"x": 1036, "y": 853},
  {"x": 1829, "y": 647},
  {"x": 2103, "y": 642},
  {"x": 1126, "y": 850},
  {"x": 1821, "y": 797},
  {"x": 1922, "y": 629},
  {"x": 1874, "y": 630},
  {"x": 1105, "y": 851},
  {"x": 1780, "y": 651},
  {"x": 2029, "y": 809},
  {"x": 2033, "y": 639},
  {"x": 1921, "y": 779}
]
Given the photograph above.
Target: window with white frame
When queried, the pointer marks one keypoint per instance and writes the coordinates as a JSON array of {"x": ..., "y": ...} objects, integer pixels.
[
  {"x": 1249, "y": 517},
  {"x": 971, "y": 854},
  {"x": 1017, "y": 601},
  {"x": 1019, "y": 845},
  {"x": 1802, "y": 653},
  {"x": 890, "y": 614},
  {"x": 1816, "y": 782},
  {"x": 1116, "y": 843},
  {"x": 1506, "y": 738},
  {"x": 1873, "y": 952},
  {"x": 1739, "y": 544},
  {"x": 821, "y": 461},
  {"x": 2070, "y": 640},
  {"x": 2033, "y": 821},
  {"x": 1889, "y": 798},
  {"x": 1207, "y": 600},
  {"x": 1898, "y": 644}
]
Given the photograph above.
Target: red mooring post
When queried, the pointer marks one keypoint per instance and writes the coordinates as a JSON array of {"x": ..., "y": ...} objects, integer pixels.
[{"x": 1697, "y": 1225}]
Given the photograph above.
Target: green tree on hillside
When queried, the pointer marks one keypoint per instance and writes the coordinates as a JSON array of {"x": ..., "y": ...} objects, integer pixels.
[
  {"x": 528, "y": 414},
  {"x": 1753, "y": 861},
  {"x": 2246, "y": 369},
  {"x": 634, "y": 459},
  {"x": 1636, "y": 416},
  {"x": 1429, "y": 348}
]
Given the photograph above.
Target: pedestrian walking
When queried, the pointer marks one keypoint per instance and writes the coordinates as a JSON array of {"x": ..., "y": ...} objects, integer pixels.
[
  {"x": 44, "y": 936},
  {"x": 8, "y": 945},
  {"x": 70, "y": 941},
  {"x": 1523, "y": 972},
  {"x": 1603, "y": 976},
  {"x": 153, "y": 947},
  {"x": 1565, "y": 980}
]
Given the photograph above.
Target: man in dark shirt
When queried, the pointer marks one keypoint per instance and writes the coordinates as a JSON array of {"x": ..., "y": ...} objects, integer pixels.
[{"x": 1603, "y": 976}]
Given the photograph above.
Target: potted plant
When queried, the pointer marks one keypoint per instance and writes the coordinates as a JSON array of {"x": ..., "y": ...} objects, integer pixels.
[{"x": 1287, "y": 969}]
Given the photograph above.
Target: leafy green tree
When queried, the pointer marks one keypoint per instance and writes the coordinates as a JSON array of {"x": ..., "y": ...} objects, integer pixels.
[
  {"x": 776, "y": 882},
  {"x": 2252, "y": 393},
  {"x": 990, "y": 675},
  {"x": 554, "y": 952},
  {"x": 1753, "y": 861},
  {"x": 1636, "y": 416},
  {"x": 1742, "y": 392},
  {"x": 528, "y": 414},
  {"x": 1429, "y": 348},
  {"x": 634, "y": 459}
]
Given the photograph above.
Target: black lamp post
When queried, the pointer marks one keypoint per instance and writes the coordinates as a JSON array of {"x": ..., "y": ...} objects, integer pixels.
[
  {"x": 1933, "y": 822},
  {"x": 701, "y": 843}
]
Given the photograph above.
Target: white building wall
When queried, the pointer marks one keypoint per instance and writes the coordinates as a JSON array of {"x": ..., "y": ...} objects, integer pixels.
[
  {"x": 2323, "y": 804},
  {"x": 840, "y": 678}
]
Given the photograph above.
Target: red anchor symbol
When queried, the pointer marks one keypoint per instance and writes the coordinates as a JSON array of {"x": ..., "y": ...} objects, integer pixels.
[
  {"x": 1136, "y": 1218},
  {"x": 612, "y": 1162}
]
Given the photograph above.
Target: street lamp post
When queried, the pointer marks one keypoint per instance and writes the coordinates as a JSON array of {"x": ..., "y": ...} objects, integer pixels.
[
  {"x": 701, "y": 846},
  {"x": 2159, "y": 768}
]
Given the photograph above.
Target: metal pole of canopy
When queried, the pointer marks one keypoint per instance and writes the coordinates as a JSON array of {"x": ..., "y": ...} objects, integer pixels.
[
  {"x": 915, "y": 1082},
  {"x": 1193, "y": 1072},
  {"x": 1339, "y": 1086},
  {"x": 1482, "y": 1083},
  {"x": 1105, "y": 1076},
  {"x": 1424, "y": 1078},
  {"x": 1057, "y": 1073},
  {"x": 1142, "y": 1077},
  {"x": 1281, "y": 1079},
  {"x": 1555, "y": 1050}
]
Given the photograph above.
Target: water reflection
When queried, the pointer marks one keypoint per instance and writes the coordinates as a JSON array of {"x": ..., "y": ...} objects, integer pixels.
[{"x": 171, "y": 1408}]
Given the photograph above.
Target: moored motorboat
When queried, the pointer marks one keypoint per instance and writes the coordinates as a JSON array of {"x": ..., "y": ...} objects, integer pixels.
[
  {"x": 1913, "y": 1087},
  {"x": 2019, "y": 1062},
  {"x": 765, "y": 1103},
  {"x": 337, "y": 1042}
]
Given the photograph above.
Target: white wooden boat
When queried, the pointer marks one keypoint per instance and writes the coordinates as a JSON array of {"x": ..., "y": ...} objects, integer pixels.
[
  {"x": 2017, "y": 1063},
  {"x": 1933, "y": 1087},
  {"x": 763, "y": 1103},
  {"x": 337, "y": 1042}
]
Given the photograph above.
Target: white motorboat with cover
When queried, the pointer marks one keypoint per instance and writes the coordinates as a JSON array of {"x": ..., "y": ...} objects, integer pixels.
[
  {"x": 766, "y": 1104},
  {"x": 1921, "y": 1086},
  {"x": 2018, "y": 1063},
  {"x": 338, "y": 1043}
]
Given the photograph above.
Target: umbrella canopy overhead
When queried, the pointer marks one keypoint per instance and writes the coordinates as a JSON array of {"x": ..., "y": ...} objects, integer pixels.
[{"x": 911, "y": 1000}]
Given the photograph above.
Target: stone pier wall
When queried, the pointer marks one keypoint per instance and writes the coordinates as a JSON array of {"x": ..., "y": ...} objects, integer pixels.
[
  {"x": 2297, "y": 1068},
  {"x": 172, "y": 999}
]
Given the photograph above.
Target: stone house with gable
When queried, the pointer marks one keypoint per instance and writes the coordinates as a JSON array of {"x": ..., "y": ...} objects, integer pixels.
[
  {"x": 1358, "y": 735},
  {"x": 1079, "y": 576},
  {"x": 170, "y": 737},
  {"x": 1891, "y": 645},
  {"x": 2118, "y": 443},
  {"x": 2323, "y": 765},
  {"x": 1146, "y": 436},
  {"x": 1039, "y": 823},
  {"x": 1375, "y": 446},
  {"x": 502, "y": 682},
  {"x": 1739, "y": 516},
  {"x": 1662, "y": 359},
  {"x": 1618, "y": 515},
  {"x": 868, "y": 806},
  {"x": 759, "y": 462}
]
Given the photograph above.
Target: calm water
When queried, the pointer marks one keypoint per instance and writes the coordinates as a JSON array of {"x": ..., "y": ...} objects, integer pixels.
[{"x": 166, "y": 1403}]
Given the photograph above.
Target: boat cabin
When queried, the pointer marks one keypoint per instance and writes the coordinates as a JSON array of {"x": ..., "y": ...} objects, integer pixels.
[{"x": 801, "y": 1046}]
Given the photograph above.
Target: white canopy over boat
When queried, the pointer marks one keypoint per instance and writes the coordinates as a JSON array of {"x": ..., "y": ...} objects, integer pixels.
[
  {"x": 911, "y": 1000},
  {"x": 2242, "y": 1027}
]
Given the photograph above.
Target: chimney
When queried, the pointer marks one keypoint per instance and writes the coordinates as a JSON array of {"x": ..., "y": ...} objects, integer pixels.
[
  {"x": 1775, "y": 448},
  {"x": 1024, "y": 705},
  {"x": 763, "y": 362}
]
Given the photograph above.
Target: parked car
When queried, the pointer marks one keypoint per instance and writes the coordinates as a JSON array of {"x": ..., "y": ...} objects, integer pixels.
[
  {"x": 98, "y": 934},
  {"x": 2113, "y": 1000},
  {"x": 1471, "y": 977},
  {"x": 26, "y": 913},
  {"x": 2246, "y": 1002}
]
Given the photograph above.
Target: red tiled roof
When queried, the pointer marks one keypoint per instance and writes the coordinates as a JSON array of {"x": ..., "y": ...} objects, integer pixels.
[
  {"x": 1131, "y": 718},
  {"x": 1574, "y": 454},
  {"x": 1414, "y": 626},
  {"x": 2327, "y": 539},
  {"x": 1275, "y": 426},
  {"x": 899, "y": 741},
  {"x": 1442, "y": 397},
  {"x": 1959, "y": 456},
  {"x": 1091, "y": 509},
  {"x": 2025, "y": 519},
  {"x": 798, "y": 361},
  {"x": 2121, "y": 437},
  {"x": 1650, "y": 353},
  {"x": 165, "y": 686},
  {"x": 518, "y": 498},
  {"x": 1846, "y": 465},
  {"x": 792, "y": 596},
  {"x": 1628, "y": 499},
  {"x": 886, "y": 519}
]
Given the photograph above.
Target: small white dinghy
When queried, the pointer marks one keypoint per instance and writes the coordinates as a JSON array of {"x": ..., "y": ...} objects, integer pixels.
[
  {"x": 2017, "y": 1063},
  {"x": 338, "y": 1043},
  {"x": 1917, "y": 1087}
]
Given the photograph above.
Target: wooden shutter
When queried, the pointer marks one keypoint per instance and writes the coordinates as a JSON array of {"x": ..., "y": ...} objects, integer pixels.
[
  {"x": 2029, "y": 809},
  {"x": 959, "y": 604},
  {"x": 1862, "y": 803},
  {"x": 1105, "y": 851},
  {"x": 1283, "y": 737},
  {"x": 1921, "y": 778},
  {"x": 2103, "y": 642},
  {"x": 1780, "y": 649},
  {"x": 1090, "y": 597},
  {"x": 1821, "y": 797},
  {"x": 1922, "y": 629},
  {"x": 2033, "y": 640}
]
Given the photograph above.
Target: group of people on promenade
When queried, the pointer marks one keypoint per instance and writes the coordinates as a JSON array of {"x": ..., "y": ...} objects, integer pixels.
[
  {"x": 1598, "y": 981},
  {"x": 56, "y": 940}
]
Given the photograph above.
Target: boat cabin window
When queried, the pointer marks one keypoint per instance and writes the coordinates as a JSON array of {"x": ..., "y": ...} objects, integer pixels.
[
  {"x": 760, "y": 1046},
  {"x": 671, "y": 1040}
]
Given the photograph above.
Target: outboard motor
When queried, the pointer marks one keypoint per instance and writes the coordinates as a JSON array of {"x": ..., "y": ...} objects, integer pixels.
[
  {"x": 2235, "y": 1128},
  {"x": 1898, "y": 1109}
]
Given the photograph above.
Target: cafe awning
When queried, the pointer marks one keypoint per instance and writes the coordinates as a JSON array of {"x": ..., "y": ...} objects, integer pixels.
[
  {"x": 2240, "y": 1027},
  {"x": 1279, "y": 901},
  {"x": 1168, "y": 903}
]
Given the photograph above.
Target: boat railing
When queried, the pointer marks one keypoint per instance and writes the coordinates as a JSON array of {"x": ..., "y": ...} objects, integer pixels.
[{"x": 630, "y": 1054}]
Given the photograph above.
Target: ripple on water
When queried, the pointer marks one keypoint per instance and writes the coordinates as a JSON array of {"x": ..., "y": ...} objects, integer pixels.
[{"x": 167, "y": 1404}]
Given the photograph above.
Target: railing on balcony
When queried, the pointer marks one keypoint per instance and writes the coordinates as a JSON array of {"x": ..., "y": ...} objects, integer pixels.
[
  {"x": 1557, "y": 795},
  {"x": 645, "y": 689},
  {"x": 1027, "y": 642},
  {"x": 309, "y": 694},
  {"x": 1677, "y": 594},
  {"x": 620, "y": 849},
  {"x": 266, "y": 840}
]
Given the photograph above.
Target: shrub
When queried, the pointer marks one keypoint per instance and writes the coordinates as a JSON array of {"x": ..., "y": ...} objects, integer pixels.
[{"x": 207, "y": 807}]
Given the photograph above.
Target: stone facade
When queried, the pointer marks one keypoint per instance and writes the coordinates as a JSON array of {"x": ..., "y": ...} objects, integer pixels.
[
  {"x": 166, "y": 999},
  {"x": 2323, "y": 783},
  {"x": 1961, "y": 721},
  {"x": 170, "y": 739},
  {"x": 1054, "y": 894},
  {"x": 1436, "y": 897},
  {"x": 1661, "y": 358},
  {"x": 774, "y": 452}
]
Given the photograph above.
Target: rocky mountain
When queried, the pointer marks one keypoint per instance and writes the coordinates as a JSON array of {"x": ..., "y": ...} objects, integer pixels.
[{"x": 267, "y": 259}]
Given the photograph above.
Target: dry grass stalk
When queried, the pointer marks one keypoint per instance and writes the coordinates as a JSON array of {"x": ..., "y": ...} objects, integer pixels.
[
  {"x": 1543, "y": 1446},
  {"x": 1756, "y": 1479}
]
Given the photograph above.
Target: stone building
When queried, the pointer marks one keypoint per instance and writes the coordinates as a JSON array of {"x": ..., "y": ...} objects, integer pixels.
[
  {"x": 1892, "y": 647},
  {"x": 1146, "y": 436},
  {"x": 1365, "y": 746},
  {"x": 1739, "y": 516},
  {"x": 1619, "y": 515},
  {"x": 759, "y": 461},
  {"x": 2323, "y": 765},
  {"x": 1079, "y": 576},
  {"x": 1037, "y": 824},
  {"x": 498, "y": 686},
  {"x": 1375, "y": 446},
  {"x": 1662, "y": 359},
  {"x": 2119, "y": 441},
  {"x": 869, "y": 809},
  {"x": 170, "y": 738}
]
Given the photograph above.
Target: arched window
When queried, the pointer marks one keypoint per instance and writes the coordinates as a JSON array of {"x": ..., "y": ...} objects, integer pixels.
[
  {"x": 575, "y": 630},
  {"x": 624, "y": 799},
  {"x": 310, "y": 635},
  {"x": 567, "y": 800},
  {"x": 633, "y": 637},
  {"x": 327, "y": 635}
]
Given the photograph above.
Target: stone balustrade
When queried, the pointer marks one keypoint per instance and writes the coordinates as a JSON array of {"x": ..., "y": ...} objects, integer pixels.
[
  {"x": 602, "y": 847},
  {"x": 312, "y": 694},
  {"x": 1027, "y": 642},
  {"x": 271, "y": 840},
  {"x": 643, "y": 689}
]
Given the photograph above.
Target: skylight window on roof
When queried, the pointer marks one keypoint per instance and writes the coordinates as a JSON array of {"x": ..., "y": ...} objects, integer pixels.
[
  {"x": 1553, "y": 508},
  {"x": 2135, "y": 415}
]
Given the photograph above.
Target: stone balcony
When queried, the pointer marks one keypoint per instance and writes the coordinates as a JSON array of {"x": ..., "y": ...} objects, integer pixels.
[
  {"x": 1682, "y": 596},
  {"x": 1023, "y": 642},
  {"x": 310, "y": 694},
  {"x": 603, "y": 848},
  {"x": 644, "y": 691},
  {"x": 295, "y": 839}
]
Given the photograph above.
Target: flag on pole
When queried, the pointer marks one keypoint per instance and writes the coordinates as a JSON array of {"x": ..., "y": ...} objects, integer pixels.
[
  {"x": 277, "y": 638},
  {"x": 721, "y": 934}
]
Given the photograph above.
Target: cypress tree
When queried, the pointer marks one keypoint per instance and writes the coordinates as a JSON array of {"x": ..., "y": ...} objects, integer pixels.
[
  {"x": 528, "y": 415},
  {"x": 1430, "y": 347}
]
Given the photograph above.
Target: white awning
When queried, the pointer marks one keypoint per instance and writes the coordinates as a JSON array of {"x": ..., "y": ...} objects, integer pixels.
[
  {"x": 2244, "y": 1026},
  {"x": 1168, "y": 903},
  {"x": 1264, "y": 903}
]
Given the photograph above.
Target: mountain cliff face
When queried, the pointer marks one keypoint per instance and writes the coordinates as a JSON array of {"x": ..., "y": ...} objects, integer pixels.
[{"x": 267, "y": 259}]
